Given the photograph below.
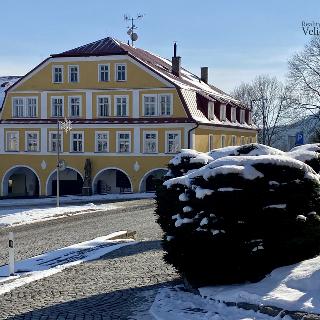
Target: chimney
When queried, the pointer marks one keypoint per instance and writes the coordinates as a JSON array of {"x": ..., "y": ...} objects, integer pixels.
[
  {"x": 176, "y": 62},
  {"x": 204, "y": 74}
]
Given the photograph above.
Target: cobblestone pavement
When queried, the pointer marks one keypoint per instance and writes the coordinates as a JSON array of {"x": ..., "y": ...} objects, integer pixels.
[{"x": 120, "y": 285}]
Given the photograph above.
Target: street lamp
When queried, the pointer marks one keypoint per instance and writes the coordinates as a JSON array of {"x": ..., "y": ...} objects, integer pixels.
[{"x": 65, "y": 125}]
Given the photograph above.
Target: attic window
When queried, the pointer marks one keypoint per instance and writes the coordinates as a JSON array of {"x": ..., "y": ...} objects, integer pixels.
[
  {"x": 233, "y": 114},
  {"x": 211, "y": 111},
  {"x": 242, "y": 114},
  {"x": 222, "y": 112}
]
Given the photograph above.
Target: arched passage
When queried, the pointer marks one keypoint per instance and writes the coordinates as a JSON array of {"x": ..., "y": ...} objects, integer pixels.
[
  {"x": 71, "y": 182},
  {"x": 111, "y": 180},
  {"x": 151, "y": 179},
  {"x": 20, "y": 181}
]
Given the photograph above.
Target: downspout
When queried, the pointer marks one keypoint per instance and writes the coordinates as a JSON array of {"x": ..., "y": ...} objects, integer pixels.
[{"x": 189, "y": 134}]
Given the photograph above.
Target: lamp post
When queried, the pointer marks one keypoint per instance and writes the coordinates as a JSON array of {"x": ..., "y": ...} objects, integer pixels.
[{"x": 65, "y": 125}]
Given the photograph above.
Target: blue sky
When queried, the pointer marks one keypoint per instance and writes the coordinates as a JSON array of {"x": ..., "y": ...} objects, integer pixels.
[{"x": 236, "y": 39}]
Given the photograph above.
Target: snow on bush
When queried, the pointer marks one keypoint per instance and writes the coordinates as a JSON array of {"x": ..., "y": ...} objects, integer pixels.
[{"x": 238, "y": 217}]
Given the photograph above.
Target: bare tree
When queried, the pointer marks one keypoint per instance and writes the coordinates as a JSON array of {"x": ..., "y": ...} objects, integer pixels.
[
  {"x": 304, "y": 77},
  {"x": 271, "y": 105}
]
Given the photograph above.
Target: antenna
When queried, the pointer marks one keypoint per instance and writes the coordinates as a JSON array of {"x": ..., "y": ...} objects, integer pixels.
[{"x": 133, "y": 35}]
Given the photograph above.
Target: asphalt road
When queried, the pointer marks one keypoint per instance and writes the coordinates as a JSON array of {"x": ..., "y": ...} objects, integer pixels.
[{"x": 121, "y": 285}]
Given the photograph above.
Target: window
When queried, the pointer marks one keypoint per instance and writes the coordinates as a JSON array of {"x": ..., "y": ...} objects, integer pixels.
[
  {"x": 31, "y": 107},
  {"x": 53, "y": 142},
  {"x": 74, "y": 106},
  {"x": 103, "y": 106},
  {"x": 104, "y": 72},
  {"x": 57, "y": 107},
  {"x": 173, "y": 142},
  {"x": 223, "y": 141},
  {"x": 233, "y": 114},
  {"x": 123, "y": 142},
  {"x": 121, "y": 72},
  {"x": 149, "y": 105},
  {"x": 242, "y": 140},
  {"x": 250, "y": 140},
  {"x": 25, "y": 107},
  {"x": 222, "y": 112},
  {"x": 211, "y": 111},
  {"x": 102, "y": 141},
  {"x": 242, "y": 114},
  {"x": 57, "y": 74},
  {"x": 18, "y": 107},
  {"x": 165, "y": 104},
  {"x": 121, "y": 105},
  {"x": 77, "y": 142},
  {"x": 32, "y": 141},
  {"x": 210, "y": 143},
  {"x": 150, "y": 142},
  {"x": 12, "y": 141},
  {"x": 233, "y": 140},
  {"x": 73, "y": 73},
  {"x": 250, "y": 118}
]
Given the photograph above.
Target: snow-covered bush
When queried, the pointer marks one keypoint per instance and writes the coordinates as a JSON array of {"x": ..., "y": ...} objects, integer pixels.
[{"x": 238, "y": 217}]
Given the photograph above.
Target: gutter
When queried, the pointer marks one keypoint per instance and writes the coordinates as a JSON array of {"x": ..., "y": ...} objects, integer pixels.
[{"x": 189, "y": 134}]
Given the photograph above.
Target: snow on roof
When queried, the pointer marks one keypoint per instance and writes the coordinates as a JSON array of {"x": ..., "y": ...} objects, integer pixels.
[{"x": 5, "y": 83}]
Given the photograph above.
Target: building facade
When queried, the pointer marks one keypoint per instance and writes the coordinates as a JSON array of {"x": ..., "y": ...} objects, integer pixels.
[{"x": 131, "y": 111}]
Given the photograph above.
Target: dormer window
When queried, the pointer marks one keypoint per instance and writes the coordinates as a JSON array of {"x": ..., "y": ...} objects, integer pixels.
[
  {"x": 211, "y": 111},
  {"x": 222, "y": 112},
  {"x": 250, "y": 117},
  {"x": 233, "y": 114},
  {"x": 242, "y": 115}
]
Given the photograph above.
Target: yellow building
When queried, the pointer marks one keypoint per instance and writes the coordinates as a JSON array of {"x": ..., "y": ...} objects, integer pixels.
[{"x": 131, "y": 111}]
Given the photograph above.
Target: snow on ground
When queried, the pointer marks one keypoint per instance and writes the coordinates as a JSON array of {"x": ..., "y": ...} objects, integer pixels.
[
  {"x": 18, "y": 216},
  {"x": 52, "y": 262},
  {"x": 21, "y": 215},
  {"x": 177, "y": 304},
  {"x": 294, "y": 288},
  {"x": 74, "y": 199}
]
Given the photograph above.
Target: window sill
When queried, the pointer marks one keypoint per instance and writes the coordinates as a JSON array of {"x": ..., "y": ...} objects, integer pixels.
[
  {"x": 76, "y": 151},
  {"x": 103, "y": 152},
  {"x": 121, "y": 80}
]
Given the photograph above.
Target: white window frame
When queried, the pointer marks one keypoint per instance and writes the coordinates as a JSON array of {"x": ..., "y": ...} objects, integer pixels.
[
  {"x": 242, "y": 116},
  {"x": 26, "y": 141},
  {"x": 242, "y": 140},
  {"x": 13, "y": 107},
  {"x": 250, "y": 117},
  {"x": 223, "y": 112},
  {"x": 116, "y": 72},
  {"x": 118, "y": 141},
  {"x": 155, "y": 104},
  {"x": 50, "y": 141},
  {"x": 99, "y": 71},
  {"x": 53, "y": 73},
  {"x": 210, "y": 142},
  {"x": 223, "y": 140},
  {"x": 233, "y": 140},
  {"x": 80, "y": 106},
  {"x": 71, "y": 141},
  {"x": 18, "y": 141},
  {"x": 25, "y": 113},
  {"x": 159, "y": 104},
  {"x": 115, "y": 105},
  {"x": 233, "y": 114},
  {"x": 211, "y": 115},
  {"x": 96, "y": 141},
  {"x": 250, "y": 139},
  {"x": 69, "y": 73},
  {"x": 167, "y": 140},
  {"x": 145, "y": 132},
  {"x": 98, "y": 105},
  {"x": 51, "y": 106}
]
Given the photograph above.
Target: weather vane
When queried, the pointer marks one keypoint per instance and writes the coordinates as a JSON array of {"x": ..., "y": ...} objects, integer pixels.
[{"x": 133, "y": 35}]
